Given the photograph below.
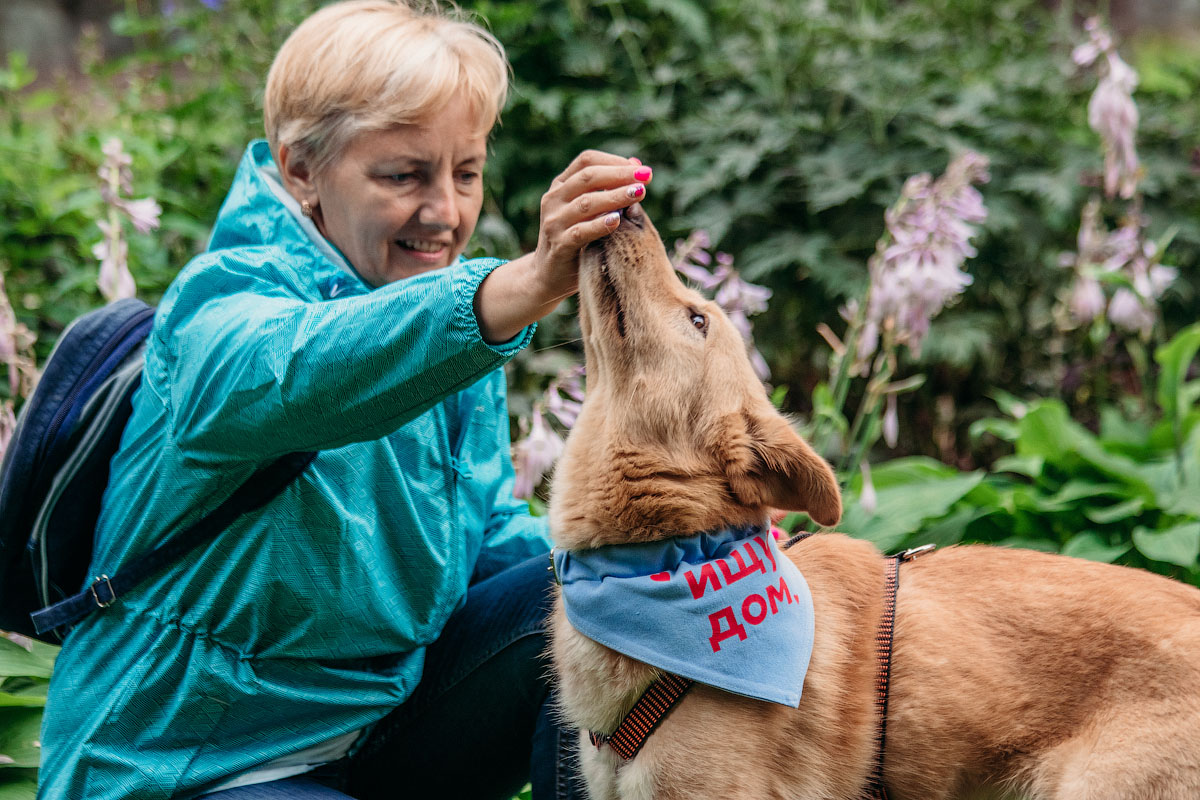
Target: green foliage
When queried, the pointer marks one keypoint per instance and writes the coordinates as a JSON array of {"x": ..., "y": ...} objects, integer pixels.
[
  {"x": 785, "y": 129},
  {"x": 185, "y": 102},
  {"x": 25, "y": 668},
  {"x": 1128, "y": 494}
]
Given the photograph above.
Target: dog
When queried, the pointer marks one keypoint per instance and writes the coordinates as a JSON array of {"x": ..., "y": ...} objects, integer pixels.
[{"x": 1013, "y": 673}]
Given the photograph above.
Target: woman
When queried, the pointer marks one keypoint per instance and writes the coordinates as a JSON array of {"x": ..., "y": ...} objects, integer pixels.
[{"x": 377, "y": 627}]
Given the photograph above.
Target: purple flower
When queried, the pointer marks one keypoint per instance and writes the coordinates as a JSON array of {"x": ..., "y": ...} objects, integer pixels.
[
  {"x": 915, "y": 271},
  {"x": 1112, "y": 112},
  {"x": 144, "y": 213},
  {"x": 16, "y": 352},
  {"x": 891, "y": 421},
  {"x": 115, "y": 280},
  {"x": 16, "y": 349},
  {"x": 8, "y": 425},
  {"x": 1087, "y": 299},
  {"x": 867, "y": 498},
  {"x": 116, "y": 182},
  {"x": 213, "y": 5},
  {"x": 534, "y": 455},
  {"x": 1127, "y": 310},
  {"x": 566, "y": 409},
  {"x": 1127, "y": 251}
]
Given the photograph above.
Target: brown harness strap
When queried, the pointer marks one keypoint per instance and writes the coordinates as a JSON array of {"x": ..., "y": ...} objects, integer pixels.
[
  {"x": 883, "y": 655},
  {"x": 647, "y": 714}
]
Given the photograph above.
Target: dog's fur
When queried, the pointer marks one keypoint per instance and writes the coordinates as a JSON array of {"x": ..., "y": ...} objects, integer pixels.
[{"x": 1015, "y": 673}]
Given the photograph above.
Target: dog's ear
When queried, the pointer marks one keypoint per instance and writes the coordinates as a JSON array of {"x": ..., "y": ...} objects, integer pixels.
[{"x": 768, "y": 464}]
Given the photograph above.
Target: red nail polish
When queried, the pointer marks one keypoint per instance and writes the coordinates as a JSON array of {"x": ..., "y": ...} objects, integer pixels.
[
  {"x": 636, "y": 160},
  {"x": 636, "y": 191},
  {"x": 643, "y": 174}
]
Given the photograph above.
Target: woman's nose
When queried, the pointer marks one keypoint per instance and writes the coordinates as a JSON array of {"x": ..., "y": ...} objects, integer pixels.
[{"x": 439, "y": 208}]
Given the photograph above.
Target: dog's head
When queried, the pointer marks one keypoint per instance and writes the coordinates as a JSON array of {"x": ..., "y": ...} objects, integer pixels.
[{"x": 676, "y": 434}]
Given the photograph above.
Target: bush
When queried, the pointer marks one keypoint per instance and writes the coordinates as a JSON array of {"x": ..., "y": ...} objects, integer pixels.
[{"x": 1129, "y": 494}]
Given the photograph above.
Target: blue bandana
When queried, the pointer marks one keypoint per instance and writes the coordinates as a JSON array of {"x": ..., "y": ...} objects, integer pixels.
[{"x": 726, "y": 609}]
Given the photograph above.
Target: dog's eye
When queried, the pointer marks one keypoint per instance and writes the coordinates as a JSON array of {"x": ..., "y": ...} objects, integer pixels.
[{"x": 700, "y": 322}]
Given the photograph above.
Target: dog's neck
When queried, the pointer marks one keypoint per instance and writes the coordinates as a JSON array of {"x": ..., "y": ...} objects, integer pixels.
[{"x": 628, "y": 495}]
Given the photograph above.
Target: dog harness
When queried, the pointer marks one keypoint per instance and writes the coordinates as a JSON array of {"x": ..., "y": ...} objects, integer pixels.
[
  {"x": 724, "y": 608},
  {"x": 661, "y": 697}
]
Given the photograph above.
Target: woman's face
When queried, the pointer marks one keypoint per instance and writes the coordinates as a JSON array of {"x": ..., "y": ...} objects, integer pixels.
[{"x": 405, "y": 200}]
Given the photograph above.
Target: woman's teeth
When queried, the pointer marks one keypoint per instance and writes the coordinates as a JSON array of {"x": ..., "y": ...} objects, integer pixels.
[{"x": 420, "y": 246}]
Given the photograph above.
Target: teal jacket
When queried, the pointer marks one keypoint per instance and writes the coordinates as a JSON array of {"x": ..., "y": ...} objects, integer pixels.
[{"x": 308, "y": 619}]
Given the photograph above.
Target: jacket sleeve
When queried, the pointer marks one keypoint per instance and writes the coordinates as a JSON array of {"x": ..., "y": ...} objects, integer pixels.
[
  {"x": 511, "y": 534},
  {"x": 252, "y": 370}
]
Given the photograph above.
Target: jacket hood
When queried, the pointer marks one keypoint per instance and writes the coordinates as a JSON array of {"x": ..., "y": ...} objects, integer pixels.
[{"x": 258, "y": 211}]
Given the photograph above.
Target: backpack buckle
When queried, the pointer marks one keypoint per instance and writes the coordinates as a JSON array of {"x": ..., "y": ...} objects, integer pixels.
[{"x": 112, "y": 595}]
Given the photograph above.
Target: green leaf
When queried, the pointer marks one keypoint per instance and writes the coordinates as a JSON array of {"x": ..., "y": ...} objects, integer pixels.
[
  {"x": 914, "y": 469},
  {"x": 1074, "y": 490},
  {"x": 687, "y": 15},
  {"x": 951, "y": 529},
  {"x": 16, "y": 660},
  {"x": 1010, "y": 404},
  {"x": 19, "y": 732},
  {"x": 1113, "y": 513},
  {"x": 8, "y": 700},
  {"x": 1117, "y": 431},
  {"x": 18, "y": 784},
  {"x": 1021, "y": 465},
  {"x": 825, "y": 409},
  {"x": 1178, "y": 545},
  {"x": 910, "y": 492},
  {"x": 1092, "y": 546},
  {"x": 1175, "y": 357},
  {"x": 1049, "y": 432},
  {"x": 1003, "y": 429}
]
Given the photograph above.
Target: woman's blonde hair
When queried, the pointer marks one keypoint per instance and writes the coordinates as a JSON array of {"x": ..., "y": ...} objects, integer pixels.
[{"x": 369, "y": 65}]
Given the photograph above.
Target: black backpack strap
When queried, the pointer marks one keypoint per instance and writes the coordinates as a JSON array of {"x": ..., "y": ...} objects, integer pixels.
[{"x": 262, "y": 487}]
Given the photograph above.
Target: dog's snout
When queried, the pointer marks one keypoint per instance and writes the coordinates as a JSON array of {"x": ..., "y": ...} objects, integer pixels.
[{"x": 634, "y": 215}]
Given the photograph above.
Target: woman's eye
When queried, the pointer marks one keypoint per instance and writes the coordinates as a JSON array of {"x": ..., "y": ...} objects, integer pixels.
[
  {"x": 402, "y": 177},
  {"x": 700, "y": 322},
  {"x": 468, "y": 177}
]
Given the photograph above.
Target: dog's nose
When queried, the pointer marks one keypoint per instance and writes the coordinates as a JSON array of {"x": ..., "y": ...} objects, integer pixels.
[{"x": 634, "y": 215}]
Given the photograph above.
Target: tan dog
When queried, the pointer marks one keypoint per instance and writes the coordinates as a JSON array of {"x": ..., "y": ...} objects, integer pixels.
[{"x": 1015, "y": 673}]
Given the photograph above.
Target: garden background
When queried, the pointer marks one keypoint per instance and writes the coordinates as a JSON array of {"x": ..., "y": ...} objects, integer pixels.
[{"x": 783, "y": 130}]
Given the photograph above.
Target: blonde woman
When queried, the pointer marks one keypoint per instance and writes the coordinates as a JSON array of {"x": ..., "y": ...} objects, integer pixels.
[{"x": 376, "y": 629}]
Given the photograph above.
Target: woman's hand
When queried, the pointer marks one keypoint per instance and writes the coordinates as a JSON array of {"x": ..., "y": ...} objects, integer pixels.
[{"x": 581, "y": 205}]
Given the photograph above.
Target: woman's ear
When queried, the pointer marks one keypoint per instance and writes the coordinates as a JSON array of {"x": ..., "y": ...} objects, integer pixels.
[
  {"x": 768, "y": 464},
  {"x": 297, "y": 178}
]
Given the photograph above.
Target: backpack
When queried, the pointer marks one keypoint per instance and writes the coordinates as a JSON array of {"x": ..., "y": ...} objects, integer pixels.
[{"x": 56, "y": 469}]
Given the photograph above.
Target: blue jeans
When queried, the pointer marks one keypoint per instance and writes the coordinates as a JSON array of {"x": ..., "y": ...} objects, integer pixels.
[{"x": 479, "y": 725}]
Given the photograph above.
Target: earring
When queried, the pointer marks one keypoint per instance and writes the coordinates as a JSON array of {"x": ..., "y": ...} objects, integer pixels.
[{"x": 306, "y": 209}]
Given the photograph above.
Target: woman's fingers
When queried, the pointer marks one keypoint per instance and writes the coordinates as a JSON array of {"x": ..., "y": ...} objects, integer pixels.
[
  {"x": 592, "y": 193},
  {"x": 588, "y": 159},
  {"x": 592, "y": 186},
  {"x": 582, "y": 205}
]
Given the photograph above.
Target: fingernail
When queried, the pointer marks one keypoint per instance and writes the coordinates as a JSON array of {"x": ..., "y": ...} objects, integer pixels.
[
  {"x": 635, "y": 191},
  {"x": 636, "y": 160},
  {"x": 612, "y": 220},
  {"x": 643, "y": 174}
]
